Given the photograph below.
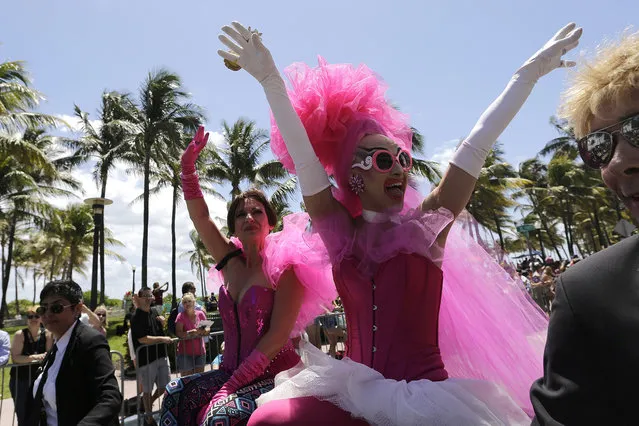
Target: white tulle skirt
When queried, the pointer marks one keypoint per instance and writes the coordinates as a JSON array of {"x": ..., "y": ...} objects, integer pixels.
[{"x": 366, "y": 394}]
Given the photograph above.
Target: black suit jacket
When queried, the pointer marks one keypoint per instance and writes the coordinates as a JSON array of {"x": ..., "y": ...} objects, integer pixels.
[
  {"x": 591, "y": 360},
  {"x": 87, "y": 391}
]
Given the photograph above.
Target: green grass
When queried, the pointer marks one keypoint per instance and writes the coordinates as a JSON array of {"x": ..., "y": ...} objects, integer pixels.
[{"x": 117, "y": 343}]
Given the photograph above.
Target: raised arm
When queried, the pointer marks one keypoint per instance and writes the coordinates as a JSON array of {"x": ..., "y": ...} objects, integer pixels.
[
  {"x": 216, "y": 243},
  {"x": 249, "y": 52},
  {"x": 459, "y": 180}
]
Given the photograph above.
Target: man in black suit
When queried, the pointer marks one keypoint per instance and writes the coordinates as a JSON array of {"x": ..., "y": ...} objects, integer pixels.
[
  {"x": 76, "y": 384},
  {"x": 591, "y": 361}
]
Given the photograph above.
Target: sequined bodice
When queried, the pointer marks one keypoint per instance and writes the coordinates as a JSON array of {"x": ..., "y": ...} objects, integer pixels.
[
  {"x": 245, "y": 323},
  {"x": 392, "y": 318}
]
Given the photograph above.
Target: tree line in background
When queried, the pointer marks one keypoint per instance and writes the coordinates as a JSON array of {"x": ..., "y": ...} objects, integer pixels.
[{"x": 147, "y": 133}]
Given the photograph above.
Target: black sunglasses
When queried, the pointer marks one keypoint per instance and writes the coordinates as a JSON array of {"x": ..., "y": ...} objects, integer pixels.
[
  {"x": 56, "y": 308},
  {"x": 31, "y": 316},
  {"x": 597, "y": 148}
]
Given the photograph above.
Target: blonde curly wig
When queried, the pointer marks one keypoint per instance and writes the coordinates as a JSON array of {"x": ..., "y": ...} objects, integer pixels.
[{"x": 599, "y": 84}]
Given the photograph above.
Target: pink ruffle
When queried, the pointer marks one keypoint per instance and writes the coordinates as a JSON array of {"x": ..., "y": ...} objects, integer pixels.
[
  {"x": 414, "y": 231},
  {"x": 489, "y": 327},
  {"x": 338, "y": 104},
  {"x": 294, "y": 247}
]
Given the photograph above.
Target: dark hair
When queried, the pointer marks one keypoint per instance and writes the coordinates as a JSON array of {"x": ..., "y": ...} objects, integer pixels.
[
  {"x": 188, "y": 287},
  {"x": 142, "y": 290},
  {"x": 68, "y": 289},
  {"x": 257, "y": 195}
]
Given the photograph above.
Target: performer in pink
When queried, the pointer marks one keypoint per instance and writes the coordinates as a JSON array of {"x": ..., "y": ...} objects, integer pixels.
[
  {"x": 410, "y": 360},
  {"x": 271, "y": 286}
]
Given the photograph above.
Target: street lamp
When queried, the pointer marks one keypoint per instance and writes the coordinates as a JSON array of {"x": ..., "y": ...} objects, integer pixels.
[
  {"x": 133, "y": 269},
  {"x": 98, "y": 247}
]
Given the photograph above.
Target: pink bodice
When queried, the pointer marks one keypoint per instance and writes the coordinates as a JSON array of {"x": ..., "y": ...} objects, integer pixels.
[
  {"x": 244, "y": 325},
  {"x": 392, "y": 318}
]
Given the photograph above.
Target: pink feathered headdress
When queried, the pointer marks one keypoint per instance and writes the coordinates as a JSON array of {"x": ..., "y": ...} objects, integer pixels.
[{"x": 338, "y": 105}]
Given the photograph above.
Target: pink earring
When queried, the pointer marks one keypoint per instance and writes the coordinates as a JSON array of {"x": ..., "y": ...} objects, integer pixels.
[{"x": 356, "y": 183}]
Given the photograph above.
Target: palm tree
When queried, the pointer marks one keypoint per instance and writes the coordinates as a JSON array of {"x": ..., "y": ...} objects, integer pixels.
[
  {"x": 162, "y": 118},
  {"x": 535, "y": 172},
  {"x": 490, "y": 202},
  {"x": 240, "y": 160},
  {"x": 281, "y": 199},
  {"x": 107, "y": 144},
  {"x": 18, "y": 99},
  {"x": 565, "y": 144},
  {"x": 423, "y": 168},
  {"x": 30, "y": 169},
  {"x": 74, "y": 227},
  {"x": 564, "y": 181}
]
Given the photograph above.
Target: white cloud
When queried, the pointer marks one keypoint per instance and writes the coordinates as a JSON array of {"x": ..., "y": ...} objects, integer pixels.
[
  {"x": 75, "y": 125},
  {"x": 216, "y": 138},
  {"x": 125, "y": 221},
  {"x": 444, "y": 152}
]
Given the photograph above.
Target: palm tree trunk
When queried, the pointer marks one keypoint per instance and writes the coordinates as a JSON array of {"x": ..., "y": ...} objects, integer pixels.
[
  {"x": 598, "y": 227},
  {"x": 173, "y": 248},
  {"x": 102, "y": 195},
  {"x": 101, "y": 248},
  {"x": 569, "y": 243},
  {"x": 70, "y": 268},
  {"x": 501, "y": 237},
  {"x": 145, "y": 215},
  {"x": 544, "y": 224},
  {"x": 15, "y": 283},
  {"x": 541, "y": 244},
  {"x": 53, "y": 260},
  {"x": 7, "y": 267}
]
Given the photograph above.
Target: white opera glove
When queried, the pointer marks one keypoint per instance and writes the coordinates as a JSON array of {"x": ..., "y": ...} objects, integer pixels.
[
  {"x": 248, "y": 52},
  {"x": 471, "y": 154}
]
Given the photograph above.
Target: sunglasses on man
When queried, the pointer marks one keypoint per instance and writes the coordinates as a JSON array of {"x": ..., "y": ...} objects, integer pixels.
[
  {"x": 597, "y": 148},
  {"x": 55, "y": 308}
]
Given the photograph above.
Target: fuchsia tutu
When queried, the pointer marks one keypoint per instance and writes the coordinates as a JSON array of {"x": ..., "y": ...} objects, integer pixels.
[
  {"x": 491, "y": 335},
  {"x": 294, "y": 247}
]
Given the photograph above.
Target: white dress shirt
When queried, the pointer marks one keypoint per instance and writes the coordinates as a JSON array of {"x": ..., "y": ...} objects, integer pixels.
[{"x": 48, "y": 391}]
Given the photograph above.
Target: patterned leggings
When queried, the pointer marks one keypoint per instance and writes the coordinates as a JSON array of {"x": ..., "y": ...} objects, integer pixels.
[{"x": 185, "y": 397}]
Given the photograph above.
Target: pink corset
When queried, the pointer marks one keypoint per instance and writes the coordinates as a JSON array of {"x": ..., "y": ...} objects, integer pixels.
[
  {"x": 245, "y": 324},
  {"x": 392, "y": 318}
]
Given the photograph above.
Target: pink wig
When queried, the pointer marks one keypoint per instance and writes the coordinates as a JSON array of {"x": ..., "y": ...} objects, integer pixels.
[{"x": 338, "y": 105}]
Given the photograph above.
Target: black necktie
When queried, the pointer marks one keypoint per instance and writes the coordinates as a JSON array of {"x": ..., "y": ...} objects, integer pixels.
[{"x": 38, "y": 397}]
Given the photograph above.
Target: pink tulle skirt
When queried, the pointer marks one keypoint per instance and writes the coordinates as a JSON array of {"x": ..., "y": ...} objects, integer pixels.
[
  {"x": 366, "y": 394},
  {"x": 491, "y": 336}
]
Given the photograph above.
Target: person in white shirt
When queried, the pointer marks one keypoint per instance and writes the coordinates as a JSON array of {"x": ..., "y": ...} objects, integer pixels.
[
  {"x": 76, "y": 383},
  {"x": 4, "y": 347}
]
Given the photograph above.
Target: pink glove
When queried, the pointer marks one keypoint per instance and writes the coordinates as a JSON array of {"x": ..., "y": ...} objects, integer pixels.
[
  {"x": 250, "y": 369},
  {"x": 190, "y": 180}
]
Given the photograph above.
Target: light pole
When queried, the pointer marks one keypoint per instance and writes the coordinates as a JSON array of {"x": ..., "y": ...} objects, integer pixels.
[
  {"x": 98, "y": 236},
  {"x": 133, "y": 269}
]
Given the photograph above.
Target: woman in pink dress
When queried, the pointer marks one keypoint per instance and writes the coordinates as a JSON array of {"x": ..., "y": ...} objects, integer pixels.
[
  {"x": 438, "y": 333},
  {"x": 271, "y": 285},
  {"x": 191, "y": 352}
]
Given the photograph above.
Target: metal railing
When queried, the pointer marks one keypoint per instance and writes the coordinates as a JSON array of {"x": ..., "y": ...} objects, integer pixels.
[{"x": 182, "y": 359}]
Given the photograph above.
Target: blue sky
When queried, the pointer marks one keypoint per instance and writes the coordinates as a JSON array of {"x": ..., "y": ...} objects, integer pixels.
[{"x": 444, "y": 61}]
